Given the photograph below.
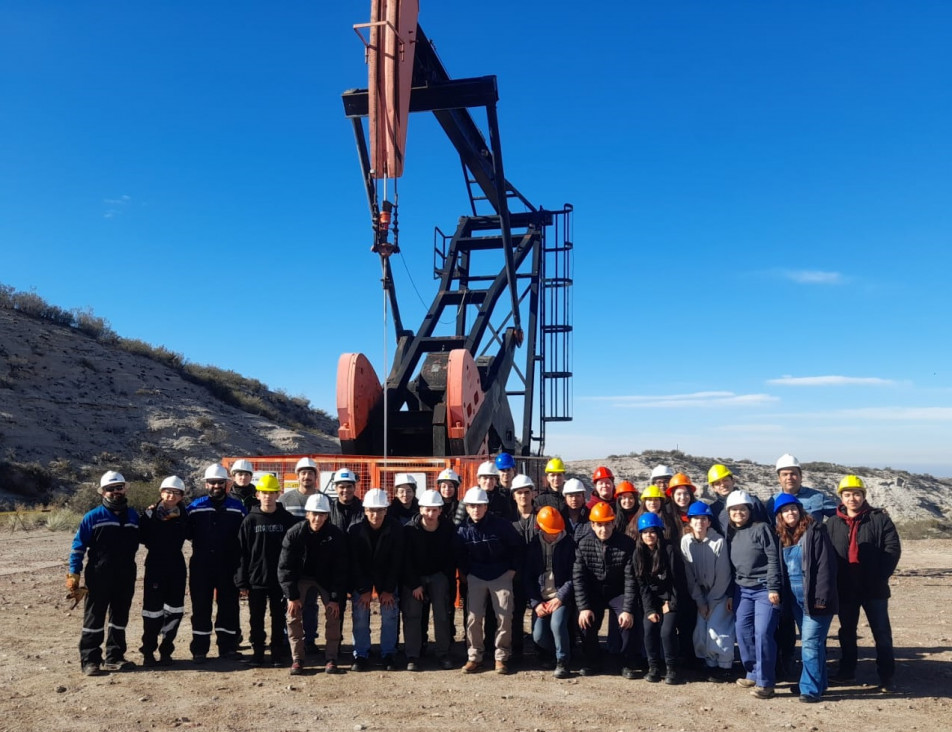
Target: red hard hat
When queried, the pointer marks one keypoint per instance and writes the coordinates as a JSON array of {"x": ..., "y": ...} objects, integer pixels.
[{"x": 601, "y": 472}]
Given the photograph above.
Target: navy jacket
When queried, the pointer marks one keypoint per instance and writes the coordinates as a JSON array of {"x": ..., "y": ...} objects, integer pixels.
[
  {"x": 488, "y": 549},
  {"x": 563, "y": 562}
]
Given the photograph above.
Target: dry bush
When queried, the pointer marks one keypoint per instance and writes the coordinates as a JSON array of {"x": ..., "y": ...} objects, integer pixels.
[
  {"x": 62, "y": 519},
  {"x": 929, "y": 528}
]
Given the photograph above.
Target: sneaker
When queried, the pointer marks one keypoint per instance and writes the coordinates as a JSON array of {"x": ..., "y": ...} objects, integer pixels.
[
  {"x": 389, "y": 663},
  {"x": 746, "y": 683},
  {"x": 886, "y": 686},
  {"x": 92, "y": 669},
  {"x": 359, "y": 664},
  {"x": 446, "y": 664},
  {"x": 561, "y": 670},
  {"x": 120, "y": 665},
  {"x": 470, "y": 667},
  {"x": 762, "y": 692},
  {"x": 502, "y": 668},
  {"x": 331, "y": 668},
  {"x": 412, "y": 665},
  {"x": 629, "y": 673},
  {"x": 297, "y": 669},
  {"x": 148, "y": 660},
  {"x": 199, "y": 658},
  {"x": 809, "y": 699}
]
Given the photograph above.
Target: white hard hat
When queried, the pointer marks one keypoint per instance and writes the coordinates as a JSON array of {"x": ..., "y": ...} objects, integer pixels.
[
  {"x": 662, "y": 471},
  {"x": 318, "y": 503},
  {"x": 110, "y": 477},
  {"x": 488, "y": 468},
  {"x": 305, "y": 462},
  {"x": 431, "y": 499},
  {"x": 404, "y": 479},
  {"x": 242, "y": 465},
  {"x": 173, "y": 482},
  {"x": 344, "y": 475},
  {"x": 573, "y": 485},
  {"x": 376, "y": 498},
  {"x": 450, "y": 475},
  {"x": 521, "y": 481},
  {"x": 739, "y": 498},
  {"x": 787, "y": 461},
  {"x": 475, "y": 496},
  {"x": 216, "y": 472}
]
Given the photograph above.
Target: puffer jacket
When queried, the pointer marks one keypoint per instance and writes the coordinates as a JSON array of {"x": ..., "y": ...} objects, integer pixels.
[
  {"x": 604, "y": 570},
  {"x": 879, "y": 553}
]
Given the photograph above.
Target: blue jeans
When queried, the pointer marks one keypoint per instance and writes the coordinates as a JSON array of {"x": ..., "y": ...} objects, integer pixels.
[
  {"x": 553, "y": 630},
  {"x": 389, "y": 623},
  {"x": 756, "y": 623},
  {"x": 813, "y": 631},
  {"x": 877, "y": 614}
]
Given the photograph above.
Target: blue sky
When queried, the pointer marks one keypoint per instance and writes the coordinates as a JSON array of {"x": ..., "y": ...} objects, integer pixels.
[{"x": 762, "y": 196}]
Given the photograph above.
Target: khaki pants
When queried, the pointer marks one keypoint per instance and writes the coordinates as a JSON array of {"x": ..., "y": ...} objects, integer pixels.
[
  {"x": 307, "y": 588},
  {"x": 499, "y": 592}
]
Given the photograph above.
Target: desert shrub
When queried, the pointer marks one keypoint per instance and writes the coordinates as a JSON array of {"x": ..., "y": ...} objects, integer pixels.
[
  {"x": 23, "y": 518},
  {"x": 930, "y": 528},
  {"x": 62, "y": 519},
  {"x": 94, "y": 326}
]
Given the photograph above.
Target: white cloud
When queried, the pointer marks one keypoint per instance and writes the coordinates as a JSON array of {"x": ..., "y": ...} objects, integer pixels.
[
  {"x": 788, "y": 380},
  {"x": 697, "y": 399},
  {"x": 878, "y": 414},
  {"x": 813, "y": 277}
]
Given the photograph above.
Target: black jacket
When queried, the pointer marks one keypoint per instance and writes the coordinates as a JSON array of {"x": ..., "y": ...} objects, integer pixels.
[
  {"x": 259, "y": 539},
  {"x": 604, "y": 571},
  {"x": 213, "y": 531},
  {"x": 819, "y": 566},
  {"x": 376, "y": 557},
  {"x": 163, "y": 539},
  {"x": 499, "y": 505},
  {"x": 317, "y": 555},
  {"x": 549, "y": 497},
  {"x": 563, "y": 563},
  {"x": 343, "y": 516},
  {"x": 879, "y": 552},
  {"x": 428, "y": 552},
  {"x": 668, "y": 584}
]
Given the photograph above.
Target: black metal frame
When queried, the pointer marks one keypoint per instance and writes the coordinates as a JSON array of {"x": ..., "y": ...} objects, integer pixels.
[{"x": 416, "y": 406}]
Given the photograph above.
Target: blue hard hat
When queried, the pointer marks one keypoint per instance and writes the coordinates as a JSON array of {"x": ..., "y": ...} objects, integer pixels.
[
  {"x": 505, "y": 461},
  {"x": 650, "y": 521},
  {"x": 785, "y": 499},
  {"x": 699, "y": 508}
]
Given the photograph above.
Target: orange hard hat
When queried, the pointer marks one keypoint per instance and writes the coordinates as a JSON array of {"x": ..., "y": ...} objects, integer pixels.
[
  {"x": 550, "y": 520},
  {"x": 601, "y": 472},
  {"x": 601, "y": 512},
  {"x": 625, "y": 486},
  {"x": 679, "y": 480}
]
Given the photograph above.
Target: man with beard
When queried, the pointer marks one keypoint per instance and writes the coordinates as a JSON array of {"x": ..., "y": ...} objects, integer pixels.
[
  {"x": 213, "y": 523},
  {"x": 110, "y": 533}
]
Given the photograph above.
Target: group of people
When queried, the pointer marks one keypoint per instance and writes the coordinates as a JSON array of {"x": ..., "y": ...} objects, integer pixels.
[{"x": 679, "y": 580}]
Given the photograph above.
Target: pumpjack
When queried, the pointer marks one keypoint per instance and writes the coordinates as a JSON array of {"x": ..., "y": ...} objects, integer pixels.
[{"x": 504, "y": 275}]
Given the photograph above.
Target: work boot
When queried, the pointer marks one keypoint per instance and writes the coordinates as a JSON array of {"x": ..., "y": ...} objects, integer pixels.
[
  {"x": 502, "y": 668},
  {"x": 470, "y": 667},
  {"x": 256, "y": 659},
  {"x": 672, "y": 677},
  {"x": 654, "y": 674},
  {"x": 762, "y": 692},
  {"x": 92, "y": 669},
  {"x": 165, "y": 659},
  {"x": 119, "y": 665},
  {"x": 561, "y": 670},
  {"x": 148, "y": 659}
]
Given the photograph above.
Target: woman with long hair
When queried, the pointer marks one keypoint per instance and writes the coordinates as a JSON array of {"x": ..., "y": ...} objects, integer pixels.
[
  {"x": 809, "y": 563},
  {"x": 660, "y": 575}
]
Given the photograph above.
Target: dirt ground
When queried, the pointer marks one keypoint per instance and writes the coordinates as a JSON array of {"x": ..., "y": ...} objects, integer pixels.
[{"x": 43, "y": 687}]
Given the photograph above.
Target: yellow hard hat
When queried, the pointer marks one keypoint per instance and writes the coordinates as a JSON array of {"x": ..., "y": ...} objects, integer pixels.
[
  {"x": 718, "y": 472},
  {"x": 652, "y": 491},
  {"x": 267, "y": 483},
  {"x": 851, "y": 483},
  {"x": 555, "y": 465}
]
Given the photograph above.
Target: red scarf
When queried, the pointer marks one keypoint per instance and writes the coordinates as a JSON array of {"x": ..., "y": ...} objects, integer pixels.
[{"x": 853, "y": 522}]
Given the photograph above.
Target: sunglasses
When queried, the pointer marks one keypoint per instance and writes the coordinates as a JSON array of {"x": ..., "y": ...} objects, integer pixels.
[{"x": 214, "y": 482}]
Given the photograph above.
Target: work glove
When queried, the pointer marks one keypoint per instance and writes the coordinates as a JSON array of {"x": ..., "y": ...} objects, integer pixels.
[{"x": 74, "y": 591}]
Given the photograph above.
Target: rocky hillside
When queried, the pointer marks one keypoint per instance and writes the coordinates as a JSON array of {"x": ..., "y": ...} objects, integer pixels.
[
  {"x": 908, "y": 497},
  {"x": 72, "y": 406}
]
